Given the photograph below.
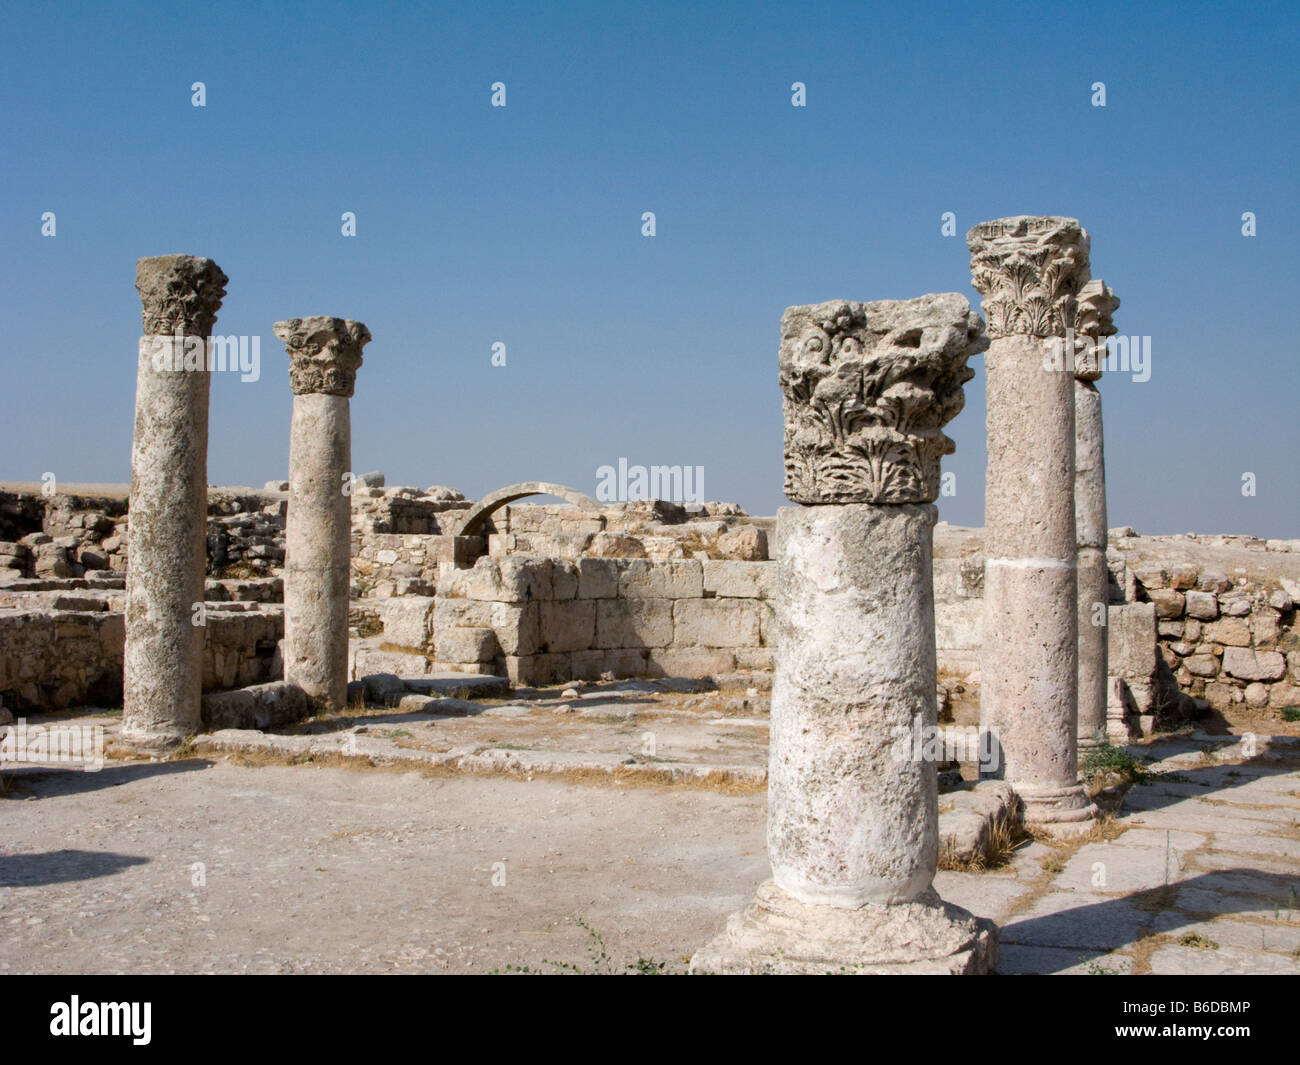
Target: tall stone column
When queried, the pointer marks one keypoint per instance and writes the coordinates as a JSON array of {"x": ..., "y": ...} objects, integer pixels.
[
  {"x": 1029, "y": 271},
  {"x": 162, "y": 674},
  {"x": 324, "y": 355},
  {"x": 852, "y": 829},
  {"x": 1092, "y": 325}
]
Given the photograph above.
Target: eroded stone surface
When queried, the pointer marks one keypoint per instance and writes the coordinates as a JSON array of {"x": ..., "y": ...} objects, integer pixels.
[
  {"x": 1029, "y": 271},
  {"x": 868, "y": 388},
  {"x": 162, "y": 659}
]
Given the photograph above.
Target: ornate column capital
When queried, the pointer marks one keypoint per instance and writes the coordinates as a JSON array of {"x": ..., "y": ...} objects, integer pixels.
[
  {"x": 1029, "y": 269},
  {"x": 867, "y": 388},
  {"x": 324, "y": 353},
  {"x": 1092, "y": 321},
  {"x": 179, "y": 292}
]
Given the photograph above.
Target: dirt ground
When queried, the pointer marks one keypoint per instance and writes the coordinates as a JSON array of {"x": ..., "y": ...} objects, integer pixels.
[
  {"x": 514, "y": 836},
  {"x": 321, "y": 870}
]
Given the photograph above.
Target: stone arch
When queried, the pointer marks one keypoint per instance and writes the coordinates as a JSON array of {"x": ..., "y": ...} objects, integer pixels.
[{"x": 472, "y": 524}]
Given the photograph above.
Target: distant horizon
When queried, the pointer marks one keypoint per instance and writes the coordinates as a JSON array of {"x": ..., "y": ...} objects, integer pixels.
[
  {"x": 597, "y": 270},
  {"x": 92, "y": 487}
]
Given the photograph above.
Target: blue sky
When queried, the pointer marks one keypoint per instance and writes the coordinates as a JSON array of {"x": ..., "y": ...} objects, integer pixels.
[{"x": 522, "y": 224}]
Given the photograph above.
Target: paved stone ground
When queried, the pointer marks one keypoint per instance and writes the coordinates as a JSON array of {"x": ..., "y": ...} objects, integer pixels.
[
  {"x": 311, "y": 869},
  {"x": 1201, "y": 875}
]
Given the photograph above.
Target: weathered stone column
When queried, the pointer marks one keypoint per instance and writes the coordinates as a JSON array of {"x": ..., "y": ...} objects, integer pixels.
[
  {"x": 1092, "y": 324},
  {"x": 852, "y": 828},
  {"x": 1029, "y": 271},
  {"x": 324, "y": 354},
  {"x": 162, "y": 674}
]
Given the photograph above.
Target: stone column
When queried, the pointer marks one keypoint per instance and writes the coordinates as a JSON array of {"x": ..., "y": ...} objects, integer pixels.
[
  {"x": 324, "y": 354},
  {"x": 852, "y": 829},
  {"x": 1029, "y": 271},
  {"x": 1091, "y": 326},
  {"x": 162, "y": 674}
]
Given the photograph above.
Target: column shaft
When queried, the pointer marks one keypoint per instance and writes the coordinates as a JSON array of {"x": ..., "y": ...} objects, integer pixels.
[
  {"x": 1030, "y": 270},
  {"x": 163, "y": 655},
  {"x": 1029, "y": 653},
  {"x": 1094, "y": 577},
  {"x": 324, "y": 355},
  {"x": 852, "y": 816},
  {"x": 318, "y": 548}
]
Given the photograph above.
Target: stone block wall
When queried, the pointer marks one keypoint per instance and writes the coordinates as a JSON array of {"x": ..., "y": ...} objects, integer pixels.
[
  {"x": 541, "y": 621},
  {"x": 52, "y": 657},
  {"x": 69, "y": 535},
  {"x": 1183, "y": 637},
  {"x": 1225, "y": 641}
]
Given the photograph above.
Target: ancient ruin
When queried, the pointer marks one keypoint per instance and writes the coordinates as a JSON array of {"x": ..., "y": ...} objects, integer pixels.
[
  {"x": 162, "y": 677},
  {"x": 1029, "y": 271},
  {"x": 1092, "y": 324},
  {"x": 852, "y": 823},
  {"x": 324, "y": 355},
  {"x": 333, "y": 617}
]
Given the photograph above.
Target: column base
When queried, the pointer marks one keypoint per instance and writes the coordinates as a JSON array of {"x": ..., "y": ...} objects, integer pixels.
[
  {"x": 151, "y": 744},
  {"x": 1088, "y": 742},
  {"x": 778, "y": 934},
  {"x": 1059, "y": 811}
]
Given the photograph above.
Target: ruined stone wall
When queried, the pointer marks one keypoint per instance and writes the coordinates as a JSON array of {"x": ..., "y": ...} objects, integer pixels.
[
  {"x": 541, "y": 621},
  {"x": 1195, "y": 623},
  {"x": 1226, "y": 640},
  {"x": 70, "y": 535},
  {"x": 67, "y": 651}
]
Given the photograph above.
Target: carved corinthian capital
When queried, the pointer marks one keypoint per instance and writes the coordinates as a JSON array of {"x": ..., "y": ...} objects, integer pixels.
[
  {"x": 1029, "y": 270},
  {"x": 867, "y": 388},
  {"x": 1092, "y": 322},
  {"x": 324, "y": 353},
  {"x": 179, "y": 292}
]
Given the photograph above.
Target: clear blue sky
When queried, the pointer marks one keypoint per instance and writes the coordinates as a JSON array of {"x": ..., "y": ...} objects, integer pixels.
[{"x": 523, "y": 225}]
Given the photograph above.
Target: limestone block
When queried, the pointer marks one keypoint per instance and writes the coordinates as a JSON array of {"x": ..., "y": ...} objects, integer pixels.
[
  {"x": 689, "y": 662},
  {"x": 744, "y": 543},
  {"x": 1256, "y": 695},
  {"x": 1132, "y": 643},
  {"x": 1202, "y": 665},
  {"x": 1151, "y": 575},
  {"x": 462, "y": 613},
  {"x": 1231, "y": 632},
  {"x": 592, "y": 665},
  {"x": 738, "y": 580},
  {"x": 634, "y": 623},
  {"x": 1265, "y": 627},
  {"x": 1253, "y": 665},
  {"x": 539, "y": 669},
  {"x": 1204, "y": 606},
  {"x": 1282, "y": 695},
  {"x": 1238, "y": 607},
  {"x": 755, "y": 658},
  {"x": 567, "y": 625},
  {"x": 517, "y": 628},
  {"x": 466, "y": 645},
  {"x": 715, "y": 623},
  {"x": 408, "y": 621},
  {"x": 259, "y": 706},
  {"x": 597, "y": 578},
  {"x": 1213, "y": 582},
  {"x": 661, "y": 579},
  {"x": 1168, "y": 603},
  {"x": 525, "y": 580},
  {"x": 564, "y": 579}
]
